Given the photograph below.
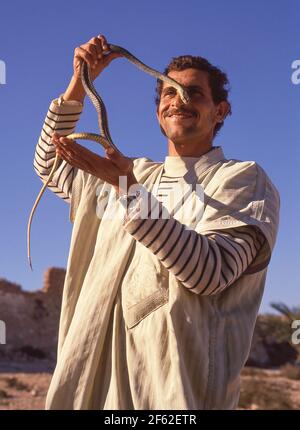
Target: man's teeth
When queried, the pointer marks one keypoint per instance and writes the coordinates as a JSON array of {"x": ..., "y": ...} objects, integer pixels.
[{"x": 182, "y": 115}]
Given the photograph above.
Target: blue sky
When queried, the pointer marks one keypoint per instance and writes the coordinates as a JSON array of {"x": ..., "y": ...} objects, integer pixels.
[{"x": 254, "y": 42}]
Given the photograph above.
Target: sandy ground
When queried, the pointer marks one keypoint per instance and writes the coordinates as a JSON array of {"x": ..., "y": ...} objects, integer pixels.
[
  {"x": 269, "y": 389},
  {"x": 23, "y": 390},
  {"x": 261, "y": 389}
]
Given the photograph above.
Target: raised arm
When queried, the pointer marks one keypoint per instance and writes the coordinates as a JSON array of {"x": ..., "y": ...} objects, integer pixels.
[{"x": 64, "y": 113}]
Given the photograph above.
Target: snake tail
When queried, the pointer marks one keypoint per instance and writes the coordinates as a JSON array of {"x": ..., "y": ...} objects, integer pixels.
[{"x": 54, "y": 167}]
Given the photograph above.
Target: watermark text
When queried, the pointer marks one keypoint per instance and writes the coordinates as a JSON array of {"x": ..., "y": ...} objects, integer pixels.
[
  {"x": 2, "y": 72},
  {"x": 295, "y": 78},
  {"x": 2, "y": 333},
  {"x": 187, "y": 200}
]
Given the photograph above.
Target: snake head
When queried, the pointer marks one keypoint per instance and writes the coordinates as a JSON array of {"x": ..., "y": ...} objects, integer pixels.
[{"x": 185, "y": 97}]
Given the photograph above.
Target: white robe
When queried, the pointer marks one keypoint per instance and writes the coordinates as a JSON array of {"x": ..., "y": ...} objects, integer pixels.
[{"x": 131, "y": 336}]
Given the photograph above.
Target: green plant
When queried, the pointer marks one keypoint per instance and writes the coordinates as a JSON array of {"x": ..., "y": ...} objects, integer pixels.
[{"x": 290, "y": 313}]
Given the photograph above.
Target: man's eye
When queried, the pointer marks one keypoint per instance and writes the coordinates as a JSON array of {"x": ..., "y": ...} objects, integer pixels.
[
  {"x": 194, "y": 91},
  {"x": 169, "y": 92}
]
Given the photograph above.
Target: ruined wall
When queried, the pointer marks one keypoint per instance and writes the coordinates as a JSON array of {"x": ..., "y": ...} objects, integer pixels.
[{"x": 31, "y": 318}]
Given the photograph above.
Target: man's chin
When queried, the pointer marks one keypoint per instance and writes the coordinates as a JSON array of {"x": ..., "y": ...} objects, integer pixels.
[{"x": 180, "y": 136}]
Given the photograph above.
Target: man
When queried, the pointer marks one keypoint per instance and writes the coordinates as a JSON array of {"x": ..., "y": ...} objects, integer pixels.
[{"x": 158, "y": 311}]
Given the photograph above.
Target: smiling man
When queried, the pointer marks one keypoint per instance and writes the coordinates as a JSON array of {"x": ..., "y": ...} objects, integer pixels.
[
  {"x": 158, "y": 311},
  {"x": 190, "y": 129}
]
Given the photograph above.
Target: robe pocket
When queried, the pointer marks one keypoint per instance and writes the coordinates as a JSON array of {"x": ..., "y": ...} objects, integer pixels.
[
  {"x": 145, "y": 286},
  {"x": 137, "y": 312}
]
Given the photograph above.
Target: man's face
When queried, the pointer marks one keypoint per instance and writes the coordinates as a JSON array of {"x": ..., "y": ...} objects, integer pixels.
[{"x": 195, "y": 120}]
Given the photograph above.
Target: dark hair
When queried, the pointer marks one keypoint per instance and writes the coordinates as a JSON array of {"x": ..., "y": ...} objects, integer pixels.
[{"x": 217, "y": 79}]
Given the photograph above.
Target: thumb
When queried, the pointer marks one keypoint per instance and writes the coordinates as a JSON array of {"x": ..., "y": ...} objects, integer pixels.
[
  {"x": 112, "y": 154},
  {"x": 111, "y": 56},
  {"x": 118, "y": 158}
]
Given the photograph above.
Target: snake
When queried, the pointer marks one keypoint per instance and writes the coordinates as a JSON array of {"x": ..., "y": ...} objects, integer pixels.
[{"x": 104, "y": 138}]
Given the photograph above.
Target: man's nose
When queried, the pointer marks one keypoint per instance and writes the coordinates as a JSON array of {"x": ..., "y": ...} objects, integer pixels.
[{"x": 176, "y": 100}]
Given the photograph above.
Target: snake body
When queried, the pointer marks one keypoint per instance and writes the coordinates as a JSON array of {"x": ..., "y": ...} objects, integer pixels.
[{"x": 104, "y": 137}]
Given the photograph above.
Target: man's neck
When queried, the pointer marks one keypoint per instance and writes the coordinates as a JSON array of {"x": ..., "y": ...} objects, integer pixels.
[{"x": 188, "y": 149}]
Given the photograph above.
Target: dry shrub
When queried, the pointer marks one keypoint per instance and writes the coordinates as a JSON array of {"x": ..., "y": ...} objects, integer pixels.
[
  {"x": 291, "y": 372},
  {"x": 257, "y": 391},
  {"x": 3, "y": 394},
  {"x": 12, "y": 382}
]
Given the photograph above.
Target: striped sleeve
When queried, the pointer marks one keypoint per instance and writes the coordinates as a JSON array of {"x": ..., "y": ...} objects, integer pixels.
[
  {"x": 61, "y": 119},
  {"x": 205, "y": 264}
]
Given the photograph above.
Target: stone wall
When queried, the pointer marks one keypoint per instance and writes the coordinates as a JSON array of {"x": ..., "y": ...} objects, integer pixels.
[{"x": 31, "y": 318}]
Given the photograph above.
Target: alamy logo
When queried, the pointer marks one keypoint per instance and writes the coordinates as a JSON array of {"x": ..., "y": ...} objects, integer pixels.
[
  {"x": 2, "y": 72},
  {"x": 186, "y": 199},
  {"x": 295, "y": 78},
  {"x": 296, "y": 333},
  {"x": 2, "y": 333}
]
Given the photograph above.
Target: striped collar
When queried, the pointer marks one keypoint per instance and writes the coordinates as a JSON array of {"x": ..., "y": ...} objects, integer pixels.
[{"x": 176, "y": 166}]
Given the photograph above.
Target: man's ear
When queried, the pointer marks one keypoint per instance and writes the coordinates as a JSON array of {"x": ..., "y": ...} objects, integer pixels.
[{"x": 222, "y": 111}]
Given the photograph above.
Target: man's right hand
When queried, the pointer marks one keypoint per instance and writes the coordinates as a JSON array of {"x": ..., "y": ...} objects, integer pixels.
[{"x": 96, "y": 53}]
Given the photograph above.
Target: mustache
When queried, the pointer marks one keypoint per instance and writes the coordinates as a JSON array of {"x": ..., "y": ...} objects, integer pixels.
[{"x": 178, "y": 112}]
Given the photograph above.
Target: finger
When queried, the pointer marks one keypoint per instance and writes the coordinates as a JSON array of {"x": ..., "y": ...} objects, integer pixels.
[
  {"x": 92, "y": 49},
  {"x": 96, "y": 42},
  {"x": 55, "y": 138},
  {"x": 82, "y": 54},
  {"x": 62, "y": 153},
  {"x": 80, "y": 151},
  {"x": 110, "y": 152},
  {"x": 104, "y": 43},
  {"x": 76, "y": 153},
  {"x": 74, "y": 147},
  {"x": 67, "y": 141},
  {"x": 116, "y": 158},
  {"x": 64, "y": 150},
  {"x": 113, "y": 154},
  {"x": 71, "y": 158}
]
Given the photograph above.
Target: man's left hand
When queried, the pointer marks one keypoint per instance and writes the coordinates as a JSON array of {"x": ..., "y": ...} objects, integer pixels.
[{"x": 108, "y": 169}]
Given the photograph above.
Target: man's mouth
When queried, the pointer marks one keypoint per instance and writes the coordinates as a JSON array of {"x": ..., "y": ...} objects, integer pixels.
[{"x": 181, "y": 115}]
